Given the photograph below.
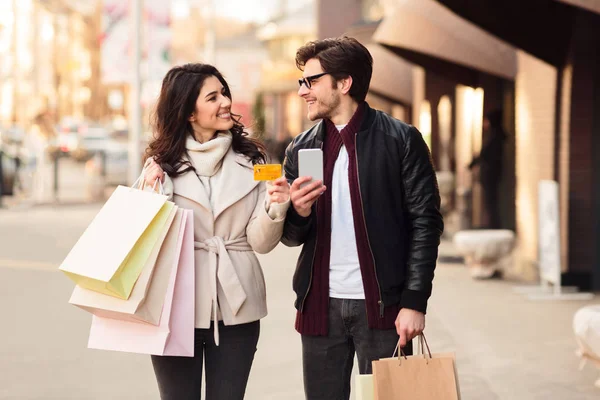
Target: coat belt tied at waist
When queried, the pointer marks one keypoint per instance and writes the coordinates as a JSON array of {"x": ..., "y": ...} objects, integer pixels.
[{"x": 223, "y": 272}]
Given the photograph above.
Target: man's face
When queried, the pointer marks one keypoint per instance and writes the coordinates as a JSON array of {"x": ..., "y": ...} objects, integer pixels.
[{"x": 323, "y": 96}]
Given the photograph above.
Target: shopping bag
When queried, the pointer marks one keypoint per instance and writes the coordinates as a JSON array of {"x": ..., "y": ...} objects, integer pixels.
[
  {"x": 148, "y": 296},
  {"x": 110, "y": 255},
  {"x": 425, "y": 377},
  {"x": 174, "y": 336},
  {"x": 364, "y": 387}
]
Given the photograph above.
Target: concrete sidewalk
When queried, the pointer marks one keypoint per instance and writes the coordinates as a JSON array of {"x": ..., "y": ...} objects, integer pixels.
[{"x": 507, "y": 347}]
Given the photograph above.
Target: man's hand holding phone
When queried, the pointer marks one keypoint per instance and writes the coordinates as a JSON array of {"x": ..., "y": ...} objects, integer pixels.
[{"x": 304, "y": 197}]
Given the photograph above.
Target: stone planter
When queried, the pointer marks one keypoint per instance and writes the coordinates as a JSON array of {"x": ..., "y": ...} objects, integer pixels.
[{"x": 485, "y": 251}]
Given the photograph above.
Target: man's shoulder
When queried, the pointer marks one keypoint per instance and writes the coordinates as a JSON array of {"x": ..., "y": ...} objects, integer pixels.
[
  {"x": 306, "y": 138},
  {"x": 393, "y": 126}
]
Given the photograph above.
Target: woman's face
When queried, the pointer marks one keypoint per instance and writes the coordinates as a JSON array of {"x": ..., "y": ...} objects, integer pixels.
[{"x": 213, "y": 109}]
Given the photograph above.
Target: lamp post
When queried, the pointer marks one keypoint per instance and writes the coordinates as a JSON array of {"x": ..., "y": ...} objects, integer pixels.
[{"x": 135, "y": 132}]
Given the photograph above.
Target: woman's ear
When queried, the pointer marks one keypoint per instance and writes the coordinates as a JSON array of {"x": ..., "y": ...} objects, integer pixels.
[{"x": 192, "y": 117}]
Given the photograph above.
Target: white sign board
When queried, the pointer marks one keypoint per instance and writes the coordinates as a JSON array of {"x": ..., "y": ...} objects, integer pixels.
[
  {"x": 549, "y": 232},
  {"x": 549, "y": 258}
]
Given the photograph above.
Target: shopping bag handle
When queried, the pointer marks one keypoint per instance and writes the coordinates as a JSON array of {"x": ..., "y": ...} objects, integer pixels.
[
  {"x": 398, "y": 350},
  {"x": 423, "y": 340},
  {"x": 140, "y": 182},
  {"x": 423, "y": 344}
]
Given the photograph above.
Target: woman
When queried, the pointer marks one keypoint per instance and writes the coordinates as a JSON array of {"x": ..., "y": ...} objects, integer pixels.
[{"x": 208, "y": 160}]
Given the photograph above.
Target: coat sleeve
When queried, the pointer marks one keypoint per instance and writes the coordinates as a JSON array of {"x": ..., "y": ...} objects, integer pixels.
[
  {"x": 265, "y": 227},
  {"x": 297, "y": 227},
  {"x": 422, "y": 200}
]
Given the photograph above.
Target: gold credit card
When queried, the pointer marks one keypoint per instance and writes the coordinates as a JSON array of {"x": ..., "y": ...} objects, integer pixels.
[{"x": 267, "y": 172}]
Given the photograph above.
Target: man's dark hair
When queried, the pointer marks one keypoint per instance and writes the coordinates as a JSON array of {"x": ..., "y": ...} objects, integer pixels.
[{"x": 341, "y": 57}]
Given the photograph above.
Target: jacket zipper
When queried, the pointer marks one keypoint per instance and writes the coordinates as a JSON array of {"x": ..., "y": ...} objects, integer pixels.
[
  {"x": 312, "y": 265},
  {"x": 362, "y": 207}
]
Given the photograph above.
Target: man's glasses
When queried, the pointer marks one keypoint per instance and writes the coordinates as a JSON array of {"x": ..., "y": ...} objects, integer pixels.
[{"x": 309, "y": 79}]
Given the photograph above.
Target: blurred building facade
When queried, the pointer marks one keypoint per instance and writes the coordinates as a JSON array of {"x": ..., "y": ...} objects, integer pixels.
[
  {"x": 60, "y": 55},
  {"x": 476, "y": 56},
  {"x": 556, "y": 119},
  {"x": 49, "y": 52},
  {"x": 465, "y": 73}
]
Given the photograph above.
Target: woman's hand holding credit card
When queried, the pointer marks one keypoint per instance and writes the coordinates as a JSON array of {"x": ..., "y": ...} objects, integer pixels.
[
  {"x": 277, "y": 187},
  {"x": 267, "y": 172}
]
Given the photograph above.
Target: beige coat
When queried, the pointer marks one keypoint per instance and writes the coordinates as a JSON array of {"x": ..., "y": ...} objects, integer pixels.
[{"x": 226, "y": 238}]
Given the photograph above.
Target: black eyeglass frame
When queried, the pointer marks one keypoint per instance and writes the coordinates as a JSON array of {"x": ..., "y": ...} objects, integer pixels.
[{"x": 308, "y": 80}]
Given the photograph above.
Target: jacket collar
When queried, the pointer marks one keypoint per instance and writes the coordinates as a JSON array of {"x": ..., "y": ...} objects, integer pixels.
[
  {"x": 236, "y": 180},
  {"x": 368, "y": 119}
]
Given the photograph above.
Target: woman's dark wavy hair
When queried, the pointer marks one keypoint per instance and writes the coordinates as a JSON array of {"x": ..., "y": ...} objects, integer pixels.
[{"x": 177, "y": 101}]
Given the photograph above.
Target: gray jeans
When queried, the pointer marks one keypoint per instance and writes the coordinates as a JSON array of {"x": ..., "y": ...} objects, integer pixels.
[
  {"x": 227, "y": 365},
  {"x": 328, "y": 360}
]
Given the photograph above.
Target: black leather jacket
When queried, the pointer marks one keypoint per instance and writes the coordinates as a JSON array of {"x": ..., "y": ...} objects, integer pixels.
[{"x": 401, "y": 204}]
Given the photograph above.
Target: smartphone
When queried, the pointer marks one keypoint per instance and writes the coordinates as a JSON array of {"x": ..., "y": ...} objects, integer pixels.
[{"x": 310, "y": 163}]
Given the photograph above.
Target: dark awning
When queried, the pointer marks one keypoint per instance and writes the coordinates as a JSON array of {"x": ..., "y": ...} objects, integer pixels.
[
  {"x": 429, "y": 34},
  {"x": 540, "y": 27},
  {"x": 590, "y": 5}
]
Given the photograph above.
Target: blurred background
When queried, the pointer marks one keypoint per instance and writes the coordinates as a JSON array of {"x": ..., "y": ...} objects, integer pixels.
[
  {"x": 506, "y": 95},
  {"x": 79, "y": 78}
]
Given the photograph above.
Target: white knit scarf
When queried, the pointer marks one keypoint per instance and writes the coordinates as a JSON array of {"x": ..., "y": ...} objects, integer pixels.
[{"x": 207, "y": 157}]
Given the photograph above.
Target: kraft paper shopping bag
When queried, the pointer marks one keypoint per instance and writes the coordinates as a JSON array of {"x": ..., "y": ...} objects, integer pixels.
[{"x": 423, "y": 377}]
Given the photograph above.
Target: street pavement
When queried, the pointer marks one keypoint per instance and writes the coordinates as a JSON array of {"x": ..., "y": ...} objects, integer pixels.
[{"x": 507, "y": 347}]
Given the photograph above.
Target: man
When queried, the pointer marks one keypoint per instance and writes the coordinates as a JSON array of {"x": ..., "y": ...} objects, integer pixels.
[
  {"x": 370, "y": 232},
  {"x": 490, "y": 162}
]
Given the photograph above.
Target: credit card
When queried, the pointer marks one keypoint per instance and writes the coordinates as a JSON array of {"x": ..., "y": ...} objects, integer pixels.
[{"x": 267, "y": 172}]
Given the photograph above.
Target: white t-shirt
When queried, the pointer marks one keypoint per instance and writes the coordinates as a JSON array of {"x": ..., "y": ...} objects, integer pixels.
[{"x": 345, "y": 279}]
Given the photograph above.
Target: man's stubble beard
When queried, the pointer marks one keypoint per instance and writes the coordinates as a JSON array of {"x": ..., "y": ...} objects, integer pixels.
[{"x": 328, "y": 108}]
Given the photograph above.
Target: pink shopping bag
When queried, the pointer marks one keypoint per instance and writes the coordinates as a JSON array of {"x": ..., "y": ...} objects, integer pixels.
[{"x": 174, "y": 336}]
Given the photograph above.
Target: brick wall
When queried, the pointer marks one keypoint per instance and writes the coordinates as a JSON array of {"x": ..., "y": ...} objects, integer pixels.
[{"x": 535, "y": 96}]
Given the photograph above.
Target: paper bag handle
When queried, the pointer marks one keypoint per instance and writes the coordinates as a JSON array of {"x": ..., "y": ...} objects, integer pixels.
[
  {"x": 140, "y": 182},
  {"x": 398, "y": 350},
  {"x": 423, "y": 344},
  {"x": 423, "y": 340}
]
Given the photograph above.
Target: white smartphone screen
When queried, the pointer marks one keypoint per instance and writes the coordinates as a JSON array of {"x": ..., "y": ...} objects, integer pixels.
[{"x": 310, "y": 163}]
